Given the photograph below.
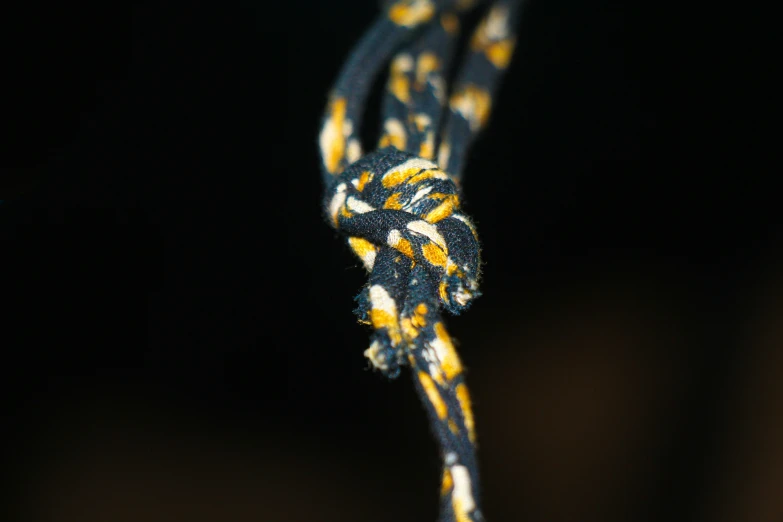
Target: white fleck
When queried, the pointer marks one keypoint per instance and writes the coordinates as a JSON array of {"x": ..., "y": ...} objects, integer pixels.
[
  {"x": 466, "y": 106},
  {"x": 443, "y": 155},
  {"x": 497, "y": 23},
  {"x": 393, "y": 238},
  {"x": 337, "y": 200},
  {"x": 429, "y": 230},
  {"x": 413, "y": 163},
  {"x": 394, "y": 127},
  {"x": 440, "y": 349},
  {"x": 420, "y": 194},
  {"x": 376, "y": 358},
  {"x": 354, "y": 150},
  {"x": 462, "y": 488},
  {"x": 423, "y": 120},
  {"x": 439, "y": 87},
  {"x": 359, "y": 206},
  {"x": 369, "y": 259},
  {"x": 403, "y": 62},
  {"x": 463, "y": 218},
  {"x": 462, "y": 297},
  {"x": 381, "y": 300}
]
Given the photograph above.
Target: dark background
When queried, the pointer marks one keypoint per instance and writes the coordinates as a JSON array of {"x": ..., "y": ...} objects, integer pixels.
[{"x": 178, "y": 330}]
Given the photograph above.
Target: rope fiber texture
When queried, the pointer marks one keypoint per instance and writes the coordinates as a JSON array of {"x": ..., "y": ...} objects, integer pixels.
[{"x": 399, "y": 206}]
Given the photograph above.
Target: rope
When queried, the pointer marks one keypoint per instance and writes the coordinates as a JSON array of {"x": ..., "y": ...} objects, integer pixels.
[{"x": 400, "y": 210}]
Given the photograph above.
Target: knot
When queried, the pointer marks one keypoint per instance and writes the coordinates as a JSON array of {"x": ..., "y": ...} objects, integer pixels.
[{"x": 401, "y": 215}]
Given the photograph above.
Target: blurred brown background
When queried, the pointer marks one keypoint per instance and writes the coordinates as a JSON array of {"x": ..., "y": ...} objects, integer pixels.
[
  {"x": 595, "y": 403},
  {"x": 179, "y": 339}
]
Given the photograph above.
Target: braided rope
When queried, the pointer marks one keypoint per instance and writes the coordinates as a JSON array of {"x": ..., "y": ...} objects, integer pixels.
[{"x": 401, "y": 212}]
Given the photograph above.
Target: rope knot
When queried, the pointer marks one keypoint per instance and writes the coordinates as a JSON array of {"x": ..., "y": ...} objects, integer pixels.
[{"x": 401, "y": 215}]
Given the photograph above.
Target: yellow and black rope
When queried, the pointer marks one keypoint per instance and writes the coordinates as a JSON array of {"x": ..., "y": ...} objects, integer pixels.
[{"x": 399, "y": 206}]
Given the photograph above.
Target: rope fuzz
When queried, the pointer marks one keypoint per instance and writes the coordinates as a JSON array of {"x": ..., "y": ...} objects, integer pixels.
[{"x": 395, "y": 206}]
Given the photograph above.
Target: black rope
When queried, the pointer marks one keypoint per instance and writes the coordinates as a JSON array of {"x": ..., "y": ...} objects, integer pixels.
[{"x": 399, "y": 206}]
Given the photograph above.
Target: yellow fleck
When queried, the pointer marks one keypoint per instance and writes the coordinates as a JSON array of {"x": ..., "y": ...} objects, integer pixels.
[
  {"x": 411, "y": 14},
  {"x": 467, "y": 412},
  {"x": 427, "y": 150},
  {"x": 449, "y": 360},
  {"x": 383, "y": 319},
  {"x": 400, "y": 87},
  {"x": 500, "y": 53},
  {"x": 418, "y": 320},
  {"x": 412, "y": 325},
  {"x": 393, "y": 201},
  {"x": 398, "y": 176},
  {"x": 434, "y": 254},
  {"x": 479, "y": 41},
  {"x": 404, "y": 246},
  {"x": 365, "y": 178},
  {"x": 474, "y": 103},
  {"x": 459, "y": 510},
  {"x": 424, "y": 175},
  {"x": 360, "y": 246},
  {"x": 422, "y": 121},
  {"x": 450, "y": 23},
  {"x": 410, "y": 331},
  {"x": 444, "y": 295},
  {"x": 394, "y": 134},
  {"x": 336, "y": 147},
  {"x": 443, "y": 210},
  {"x": 344, "y": 212},
  {"x": 447, "y": 483},
  {"x": 393, "y": 140},
  {"x": 491, "y": 38},
  {"x": 426, "y": 64},
  {"x": 433, "y": 395}
]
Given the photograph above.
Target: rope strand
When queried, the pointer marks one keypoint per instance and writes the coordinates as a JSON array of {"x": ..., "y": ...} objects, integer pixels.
[{"x": 401, "y": 212}]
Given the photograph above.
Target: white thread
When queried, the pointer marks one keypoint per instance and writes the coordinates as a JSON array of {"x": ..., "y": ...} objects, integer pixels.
[
  {"x": 429, "y": 230},
  {"x": 359, "y": 206}
]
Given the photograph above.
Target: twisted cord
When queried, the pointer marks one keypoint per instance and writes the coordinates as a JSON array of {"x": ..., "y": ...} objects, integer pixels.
[
  {"x": 401, "y": 212},
  {"x": 339, "y": 141},
  {"x": 470, "y": 103}
]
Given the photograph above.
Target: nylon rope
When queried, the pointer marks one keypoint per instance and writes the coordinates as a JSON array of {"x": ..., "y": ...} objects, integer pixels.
[{"x": 399, "y": 206}]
